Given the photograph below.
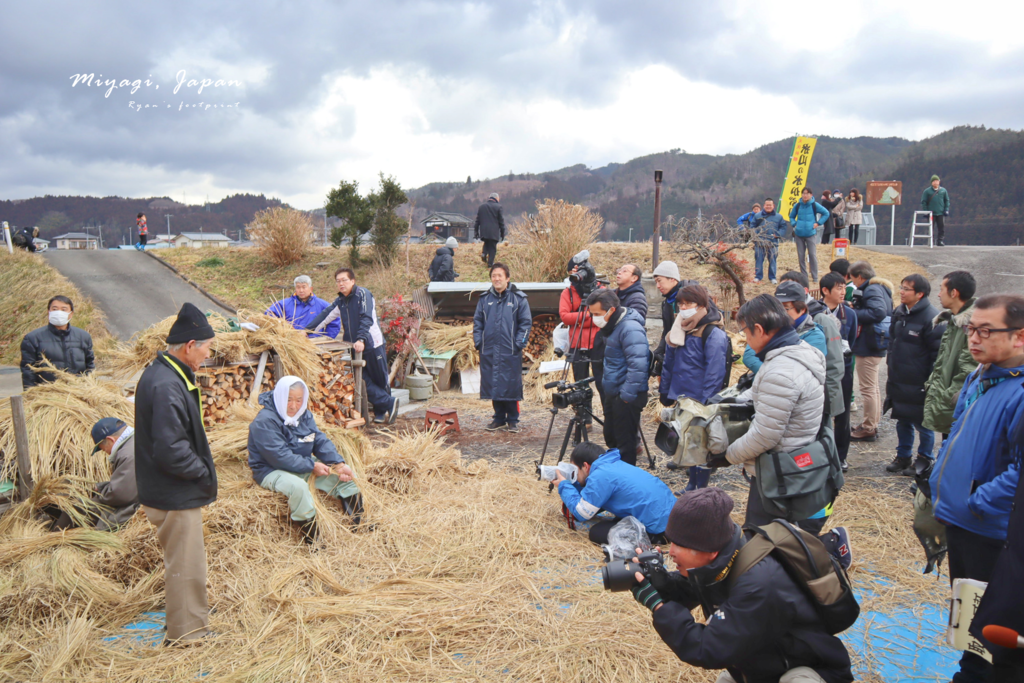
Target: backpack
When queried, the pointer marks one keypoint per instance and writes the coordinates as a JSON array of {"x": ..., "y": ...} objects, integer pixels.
[
  {"x": 809, "y": 564},
  {"x": 882, "y": 338},
  {"x": 730, "y": 357}
]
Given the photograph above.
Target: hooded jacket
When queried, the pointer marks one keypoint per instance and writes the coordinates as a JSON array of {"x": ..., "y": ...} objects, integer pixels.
[
  {"x": 25, "y": 239},
  {"x": 804, "y": 215},
  {"x": 174, "y": 467},
  {"x": 634, "y": 297},
  {"x": 442, "y": 268},
  {"x": 758, "y": 628},
  {"x": 912, "y": 352},
  {"x": 358, "y": 317},
  {"x": 69, "y": 350},
  {"x": 953, "y": 363},
  {"x": 621, "y": 489},
  {"x": 789, "y": 397},
  {"x": 626, "y": 356},
  {"x": 275, "y": 446},
  {"x": 977, "y": 470},
  {"x": 490, "y": 223},
  {"x": 874, "y": 305},
  {"x": 501, "y": 328},
  {"x": 300, "y": 313},
  {"x": 694, "y": 370}
]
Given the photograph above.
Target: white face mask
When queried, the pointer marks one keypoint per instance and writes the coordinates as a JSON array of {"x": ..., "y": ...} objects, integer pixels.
[
  {"x": 600, "y": 320},
  {"x": 687, "y": 313},
  {"x": 59, "y": 318}
]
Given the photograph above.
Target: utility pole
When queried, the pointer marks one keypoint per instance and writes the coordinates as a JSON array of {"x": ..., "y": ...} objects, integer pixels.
[
  {"x": 168, "y": 217},
  {"x": 630, "y": 235},
  {"x": 657, "y": 216},
  {"x": 99, "y": 228}
]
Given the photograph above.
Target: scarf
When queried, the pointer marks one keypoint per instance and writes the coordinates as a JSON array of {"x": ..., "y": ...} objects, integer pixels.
[
  {"x": 682, "y": 327},
  {"x": 281, "y": 390}
]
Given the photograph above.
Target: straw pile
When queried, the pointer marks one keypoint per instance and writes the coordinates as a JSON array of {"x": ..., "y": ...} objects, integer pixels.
[{"x": 442, "y": 337}]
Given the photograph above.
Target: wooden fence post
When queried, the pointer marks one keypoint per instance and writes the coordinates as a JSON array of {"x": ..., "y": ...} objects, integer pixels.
[{"x": 25, "y": 481}]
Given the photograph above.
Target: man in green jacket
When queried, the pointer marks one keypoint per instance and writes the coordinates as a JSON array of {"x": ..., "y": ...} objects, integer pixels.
[
  {"x": 936, "y": 200},
  {"x": 954, "y": 361}
]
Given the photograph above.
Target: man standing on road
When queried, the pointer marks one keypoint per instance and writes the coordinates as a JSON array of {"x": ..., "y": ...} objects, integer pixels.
[
  {"x": 977, "y": 471},
  {"x": 912, "y": 352},
  {"x": 936, "y": 200},
  {"x": 501, "y": 328},
  {"x": 954, "y": 361},
  {"x": 489, "y": 227},
  {"x": 140, "y": 222},
  {"x": 631, "y": 289},
  {"x": 833, "y": 292},
  {"x": 174, "y": 469},
  {"x": 807, "y": 216},
  {"x": 302, "y": 307},
  {"x": 874, "y": 307}
]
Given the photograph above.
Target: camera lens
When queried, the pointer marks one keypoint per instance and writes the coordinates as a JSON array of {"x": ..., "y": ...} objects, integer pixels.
[{"x": 619, "y": 576}]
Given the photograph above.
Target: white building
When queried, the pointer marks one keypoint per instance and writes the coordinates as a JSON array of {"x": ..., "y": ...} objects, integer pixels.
[
  {"x": 196, "y": 240},
  {"x": 77, "y": 240}
]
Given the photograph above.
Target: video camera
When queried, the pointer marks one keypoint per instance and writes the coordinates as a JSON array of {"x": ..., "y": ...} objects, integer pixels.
[
  {"x": 620, "y": 575},
  {"x": 585, "y": 277},
  {"x": 574, "y": 394}
]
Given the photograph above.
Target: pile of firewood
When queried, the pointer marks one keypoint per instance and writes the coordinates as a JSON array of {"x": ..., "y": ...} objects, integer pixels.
[
  {"x": 334, "y": 397},
  {"x": 540, "y": 335},
  {"x": 225, "y": 384}
]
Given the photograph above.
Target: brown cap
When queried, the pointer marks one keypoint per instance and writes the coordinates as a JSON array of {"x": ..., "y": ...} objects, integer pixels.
[{"x": 700, "y": 520}]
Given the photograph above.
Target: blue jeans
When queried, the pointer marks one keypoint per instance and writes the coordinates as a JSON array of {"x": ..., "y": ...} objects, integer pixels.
[
  {"x": 759, "y": 254},
  {"x": 506, "y": 412},
  {"x": 905, "y": 435}
]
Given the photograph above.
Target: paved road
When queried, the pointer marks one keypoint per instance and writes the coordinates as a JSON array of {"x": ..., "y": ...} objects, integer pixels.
[
  {"x": 133, "y": 290},
  {"x": 997, "y": 269}
]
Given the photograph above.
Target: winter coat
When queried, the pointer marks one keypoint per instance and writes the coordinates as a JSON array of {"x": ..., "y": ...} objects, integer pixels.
[
  {"x": 442, "y": 268},
  {"x": 626, "y": 357},
  {"x": 694, "y": 370},
  {"x": 770, "y": 226},
  {"x": 758, "y": 628},
  {"x": 952, "y": 365},
  {"x": 835, "y": 364},
  {"x": 936, "y": 201},
  {"x": 24, "y": 239},
  {"x": 913, "y": 347},
  {"x": 69, "y": 350},
  {"x": 854, "y": 215},
  {"x": 121, "y": 493},
  {"x": 789, "y": 398},
  {"x": 582, "y": 329},
  {"x": 804, "y": 215},
  {"x": 977, "y": 470},
  {"x": 275, "y": 446},
  {"x": 808, "y": 330},
  {"x": 490, "y": 223},
  {"x": 621, "y": 489},
  {"x": 669, "y": 310},
  {"x": 832, "y": 205},
  {"x": 501, "y": 328},
  {"x": 300, "y": 313},
  {"x": 173, "y": 465},
  {"x": 634, "y": 297},
  {"x": 747, "y": 219},
  {"x": 872, "y": 308},
  {"x": 847, "y": 319},
  {"x": 358, "y": 317}
]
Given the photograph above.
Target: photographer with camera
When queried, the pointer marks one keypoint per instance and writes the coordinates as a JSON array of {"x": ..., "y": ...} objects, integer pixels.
[
  {"x": 626, "y": 363},
  {"x": 604, "y": 482},
  {"x": 586, "y": 352},
  {"x": 760, "y": 625}
]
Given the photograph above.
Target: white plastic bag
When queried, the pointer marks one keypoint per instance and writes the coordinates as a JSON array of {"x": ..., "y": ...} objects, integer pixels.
[
  {"x": 624, "y": 538},
  {"x": 560, "y": 337}
]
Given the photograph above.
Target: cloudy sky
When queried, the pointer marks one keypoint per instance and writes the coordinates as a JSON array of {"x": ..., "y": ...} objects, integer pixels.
[{"x": 435, "y": 90}]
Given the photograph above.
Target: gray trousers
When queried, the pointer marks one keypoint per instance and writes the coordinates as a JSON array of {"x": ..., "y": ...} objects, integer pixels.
[{"x": 807, "y": 244}]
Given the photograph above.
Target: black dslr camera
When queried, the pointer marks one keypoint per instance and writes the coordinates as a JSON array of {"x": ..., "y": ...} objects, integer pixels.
[
  {"x": 620, "y": 575},
  {"x": 585, "y": 277},
  {"x": 575, "y": 394}
]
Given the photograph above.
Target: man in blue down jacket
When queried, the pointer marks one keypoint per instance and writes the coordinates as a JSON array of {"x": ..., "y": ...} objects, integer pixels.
[
  {"x": 977, "y": 472},
  {"x": 501, "y": 328},
  {"x": 806, "y": 216},
  {"x": 768, "y": 228},
  {"x": 626, "y": 360},
  {"x": 302, "y": 307}
]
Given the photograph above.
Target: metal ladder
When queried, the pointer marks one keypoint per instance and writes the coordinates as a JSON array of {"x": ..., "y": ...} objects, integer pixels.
[{"x": 926, "y": 224}]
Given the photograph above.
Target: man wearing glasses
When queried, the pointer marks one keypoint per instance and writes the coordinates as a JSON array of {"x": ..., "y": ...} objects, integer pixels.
[{"x": 977, "y": 470}]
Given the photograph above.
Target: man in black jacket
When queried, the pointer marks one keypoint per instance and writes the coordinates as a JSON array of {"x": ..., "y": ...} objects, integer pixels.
[
  {"x": 25, "y": 238},
  {"x": 912, "y": 352},
  {"x": 761, "y": 627},
  {"x": 489, "y": 227},
  {"x": 67, "y": 348},
  {"x": 631, "y": 290},
  {"x": 442, "y": 268},
  {"x": 174, "y": 469}
]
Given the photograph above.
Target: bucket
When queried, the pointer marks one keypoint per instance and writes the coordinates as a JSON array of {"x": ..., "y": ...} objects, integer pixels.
[{"x": 421, "y": 387}]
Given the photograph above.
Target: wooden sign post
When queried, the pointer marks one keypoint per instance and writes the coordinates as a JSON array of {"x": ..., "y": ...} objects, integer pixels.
[{"x": 25, "y": 481}]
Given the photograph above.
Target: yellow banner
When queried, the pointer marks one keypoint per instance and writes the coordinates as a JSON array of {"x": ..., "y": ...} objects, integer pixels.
[{"x": 796, "y": 176}]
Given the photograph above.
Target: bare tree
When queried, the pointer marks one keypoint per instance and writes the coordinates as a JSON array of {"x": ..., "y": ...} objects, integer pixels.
[{"x": 720, "y": 243}]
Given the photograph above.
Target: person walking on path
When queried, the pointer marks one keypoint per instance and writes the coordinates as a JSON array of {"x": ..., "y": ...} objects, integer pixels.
[
  {"x": 140, "y": 223},
  {"x": 807, "y": 216},
  {"x": 174, "y": 469},
  {"x": 874, "y": 310},
  {"x": 768, "y": 228},
  {"x": 954, "y": 361},
  {"x": 936, "y": 200},
  {"x": 912, "y": 352},
  {"x": 67, "y": 348},
  {"x": 501, "y": 328},
  {"x": 489, "y": 227},
  {"x": 854, "y": 214}
]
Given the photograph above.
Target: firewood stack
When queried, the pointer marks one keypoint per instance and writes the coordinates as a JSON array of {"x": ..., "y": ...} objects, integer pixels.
[
  {"x": 334, "y": 397},
  {"x": 540, "y": 335},
  {"x": 225, "y": 384}
]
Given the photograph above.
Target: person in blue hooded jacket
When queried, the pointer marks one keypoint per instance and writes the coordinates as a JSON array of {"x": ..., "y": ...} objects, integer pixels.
[
  {"x": 807, "y": 216},
  {"x": 792, "y": 296},
  {"x": 976, "y": 473},
  {"x": 286, "y": 448},
  {"x": 747, "y": 219},
  {"x": 604, "y": 482},
  {"x": 302, "y": 307}
]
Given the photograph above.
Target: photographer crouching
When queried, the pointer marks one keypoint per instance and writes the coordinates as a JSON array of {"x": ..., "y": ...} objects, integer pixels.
[{"x": 761, "y": 626}]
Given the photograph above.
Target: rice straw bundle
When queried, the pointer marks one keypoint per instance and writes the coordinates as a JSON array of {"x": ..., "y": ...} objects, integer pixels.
[{"x": 441, "y": 338}]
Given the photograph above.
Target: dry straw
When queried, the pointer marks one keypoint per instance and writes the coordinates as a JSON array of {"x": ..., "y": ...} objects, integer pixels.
[
  {"x": 441, "y": 338},
  {"x": 547, "y": 239}
]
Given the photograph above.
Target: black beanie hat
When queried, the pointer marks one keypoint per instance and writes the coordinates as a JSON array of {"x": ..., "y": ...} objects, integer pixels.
[
  {"x": 700, "y": 520},
  {"x": 190, "y": 325}
]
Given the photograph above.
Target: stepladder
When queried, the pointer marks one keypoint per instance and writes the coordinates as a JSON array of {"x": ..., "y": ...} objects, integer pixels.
[{"x": 922, "y": 220}]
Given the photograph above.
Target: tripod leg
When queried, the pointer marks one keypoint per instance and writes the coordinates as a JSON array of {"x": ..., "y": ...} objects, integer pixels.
[
  {"x": 643, "y": 439},
  {"x": 565, "y": 445},
  {"x": 554, "y": 413}
]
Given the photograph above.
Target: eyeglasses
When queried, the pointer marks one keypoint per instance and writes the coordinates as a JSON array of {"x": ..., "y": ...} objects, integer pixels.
[
  {"x": 986, "y": 332},
  {"x": 908, "y": 289}
]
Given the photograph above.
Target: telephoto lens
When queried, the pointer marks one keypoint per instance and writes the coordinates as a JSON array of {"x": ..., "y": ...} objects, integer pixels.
[{"x": 619, "y": 576}]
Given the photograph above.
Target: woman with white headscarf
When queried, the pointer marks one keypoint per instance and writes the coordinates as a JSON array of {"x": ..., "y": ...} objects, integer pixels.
[{"x": 285, "y": 448}]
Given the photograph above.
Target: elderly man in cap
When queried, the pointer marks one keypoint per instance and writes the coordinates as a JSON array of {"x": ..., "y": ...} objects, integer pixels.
[
  {"x": 302, "y": 307},
  {"x": 489, "y": 227},
  {"x": 759, "y": 626},
  {"x": 174, "y": 469},
  {"x": 119, "y": 496}
]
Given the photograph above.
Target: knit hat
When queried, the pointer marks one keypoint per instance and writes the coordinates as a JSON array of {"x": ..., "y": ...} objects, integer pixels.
[
  {"x": 190, "y": 325},
  {"x": 934, "y": 178},
  {"x": 789, "y": 291},
  {"x": 451, "y": 243},
  {"x": 668, "y": 269},
  {"x": 494, "y": 196},
  {"x": 700, "y": 520}
]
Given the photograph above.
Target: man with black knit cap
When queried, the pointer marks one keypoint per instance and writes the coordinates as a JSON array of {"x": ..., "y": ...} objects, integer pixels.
[
  {"x": 759, "y": 627},
  {"x": 174, "y": 469}
]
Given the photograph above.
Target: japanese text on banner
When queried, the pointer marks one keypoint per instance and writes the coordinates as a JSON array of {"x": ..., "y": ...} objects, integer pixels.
[{"x": 796, "y": 176}]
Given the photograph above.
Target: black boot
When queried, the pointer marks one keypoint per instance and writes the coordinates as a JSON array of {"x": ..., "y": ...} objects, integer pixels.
[
  {"x": 898, "y": 464},
  {"x": 307, "y": 530}
]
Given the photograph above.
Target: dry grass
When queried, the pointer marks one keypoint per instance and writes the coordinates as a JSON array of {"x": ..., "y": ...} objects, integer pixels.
[
  {"x": 282, "y": 235},
  {"x": 547, "y": 239},
  {"x": 441, "y": 338}
]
